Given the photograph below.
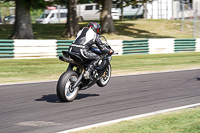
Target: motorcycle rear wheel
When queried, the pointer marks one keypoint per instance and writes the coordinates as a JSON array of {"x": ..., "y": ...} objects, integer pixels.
[
  {"x": 64, "y": 86},
  {"x": 103, "y": 81}
]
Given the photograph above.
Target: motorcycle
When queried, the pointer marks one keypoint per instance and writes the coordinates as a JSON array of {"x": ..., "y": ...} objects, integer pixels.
[{"x": 71, "y": 81}]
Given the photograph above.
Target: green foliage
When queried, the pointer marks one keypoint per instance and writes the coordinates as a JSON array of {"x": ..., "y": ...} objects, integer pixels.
[
  {"x": 37, "y": 4},
  {"x": 34, "y": 4},
  {"x": 7, "y": 4},
  {"x": 35, "y": 14}
]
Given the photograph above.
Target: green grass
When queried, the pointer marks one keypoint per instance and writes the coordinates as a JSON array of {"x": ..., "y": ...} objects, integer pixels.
[
  {"x": 152, "y": 63},
  {"x": 125, "y": 30},
  {"x": 182, "y": 121},
  {"x": 20, "y": 70}
]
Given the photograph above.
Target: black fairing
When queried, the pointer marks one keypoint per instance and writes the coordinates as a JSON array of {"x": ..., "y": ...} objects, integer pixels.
[
  {"x": 76, "y": 57},
  {"x": 101, "y": 69}
]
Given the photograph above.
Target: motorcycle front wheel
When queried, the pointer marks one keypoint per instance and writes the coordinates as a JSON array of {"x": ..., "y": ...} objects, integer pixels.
[
  {"x": 103, "y": 81},
  {"x": 64, "y": 89}
]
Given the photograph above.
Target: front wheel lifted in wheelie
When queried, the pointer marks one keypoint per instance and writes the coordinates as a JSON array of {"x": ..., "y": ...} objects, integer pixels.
[
  {"x": 65, "y": 90},
  {"x": 103, "y": 81}
]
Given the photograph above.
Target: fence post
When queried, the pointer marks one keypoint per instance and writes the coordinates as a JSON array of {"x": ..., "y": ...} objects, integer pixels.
[
  {"x": 182, "y": 15},
  {"x": 194, "y": 26}
]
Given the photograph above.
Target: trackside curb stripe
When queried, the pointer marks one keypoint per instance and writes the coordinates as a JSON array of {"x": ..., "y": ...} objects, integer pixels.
[{"x": 130, "y": 118}]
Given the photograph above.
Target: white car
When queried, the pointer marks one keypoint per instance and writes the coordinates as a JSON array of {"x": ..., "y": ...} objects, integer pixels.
[
  {"x": 131, "y": 10},
  {"x": 92, "y": 12},
  {"x": 52, "y": 16},
  {"x": 9, "y": 19},
  {"x": 84, "y": 11}
]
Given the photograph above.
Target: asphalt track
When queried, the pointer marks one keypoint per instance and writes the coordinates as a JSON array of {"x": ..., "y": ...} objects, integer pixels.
[{"x": 35, "y": 108}]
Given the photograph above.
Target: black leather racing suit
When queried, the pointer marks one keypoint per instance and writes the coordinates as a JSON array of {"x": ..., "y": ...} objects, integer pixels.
[{"x": 82, "y": 44}]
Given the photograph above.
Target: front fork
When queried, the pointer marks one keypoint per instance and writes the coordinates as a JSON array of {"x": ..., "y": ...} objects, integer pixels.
[{"x": 101, "y": 70}]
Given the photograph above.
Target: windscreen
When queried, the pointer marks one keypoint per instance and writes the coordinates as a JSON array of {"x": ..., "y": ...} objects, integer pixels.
[{"x": 44, "y": 15}]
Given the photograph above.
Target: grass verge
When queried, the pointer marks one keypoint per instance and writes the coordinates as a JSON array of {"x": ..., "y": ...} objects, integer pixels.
[
  {"x": 21, "y": 70},
  {"x": 182, "y": 121},
  {"x": 125, "y": 30}
]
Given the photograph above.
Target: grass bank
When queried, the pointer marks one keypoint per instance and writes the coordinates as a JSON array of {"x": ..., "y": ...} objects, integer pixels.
[
  {"x": 125, "y": 30},
  {"x": 21, "y": 70},
  {"x": 182, "y": 121}
]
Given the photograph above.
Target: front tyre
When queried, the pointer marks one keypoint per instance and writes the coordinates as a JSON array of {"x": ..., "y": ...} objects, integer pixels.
[
  {"x": 103, "y": 81},
  {"x": 65, "y": 92}
]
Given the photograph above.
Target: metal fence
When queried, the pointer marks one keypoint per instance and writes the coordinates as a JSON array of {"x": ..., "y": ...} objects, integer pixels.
[
  {"x": 196, "y": 24},
  {"x": 189, "y": 14}
]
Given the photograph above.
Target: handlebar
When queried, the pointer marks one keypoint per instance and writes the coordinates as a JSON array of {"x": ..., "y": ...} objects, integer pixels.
[{"x": 106, "y": 44}]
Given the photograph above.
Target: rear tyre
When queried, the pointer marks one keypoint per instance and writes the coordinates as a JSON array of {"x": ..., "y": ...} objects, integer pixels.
[
  {"x": 64, "y": 86},
  {"x": 103, "y": 81}
]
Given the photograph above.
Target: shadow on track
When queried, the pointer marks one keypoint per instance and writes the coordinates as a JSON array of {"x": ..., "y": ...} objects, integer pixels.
[
  {"x": 52, "y": 98},
  {"x": 81, "y": 96}
]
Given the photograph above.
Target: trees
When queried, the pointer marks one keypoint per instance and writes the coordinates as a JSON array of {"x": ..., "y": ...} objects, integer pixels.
[
  {"x": 22, "y": 28},
  {"x": 107, "y": 25},
  {"x": 72, "y": 27}
]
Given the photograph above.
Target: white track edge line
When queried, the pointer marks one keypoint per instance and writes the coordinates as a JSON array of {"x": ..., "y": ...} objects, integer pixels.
[
  {"x": 111, "y": 76},
  {"x": 29, "y": 82},
  {"x": 156, "y": 72},
  {"x": 130, "y": 118}
]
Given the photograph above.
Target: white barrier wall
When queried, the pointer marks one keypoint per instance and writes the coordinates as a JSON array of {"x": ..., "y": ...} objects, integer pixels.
[
  {"x": 197, "y": 45},
  {"x": 26, "y": 49},
  {"x": 35, "y": 48},
  {"x": 117, "y": 46},
  {"x": 160, "y": 46}
]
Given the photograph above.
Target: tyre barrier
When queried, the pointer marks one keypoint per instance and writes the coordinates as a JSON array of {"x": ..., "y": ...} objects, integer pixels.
[
  {"x": 6, "y": 48},
  {"x": 63, "y": 45},
  {"x": 135, "y": 47},
  {"x": 185, "y": 45},
  {"x": 32, "y": 48}
]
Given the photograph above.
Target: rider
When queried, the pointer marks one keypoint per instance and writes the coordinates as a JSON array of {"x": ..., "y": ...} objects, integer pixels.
[{"x": 85, "y": 39}]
